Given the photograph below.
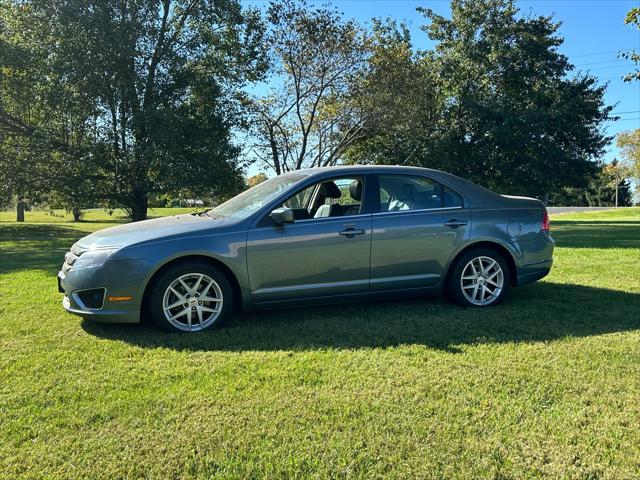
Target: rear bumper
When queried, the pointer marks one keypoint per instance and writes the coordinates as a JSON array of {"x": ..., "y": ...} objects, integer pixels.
[
  {"x": 536, "y": 259},
  {"x": 534, "y": 272}
]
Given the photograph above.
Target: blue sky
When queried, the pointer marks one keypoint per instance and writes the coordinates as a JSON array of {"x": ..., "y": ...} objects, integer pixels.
[{"x": 593, "y": 31}]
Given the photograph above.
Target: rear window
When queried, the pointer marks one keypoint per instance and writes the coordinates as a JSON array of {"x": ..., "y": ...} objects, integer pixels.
[
  {"x": 451, "y": 198},
  {"x": 407, "y": 192}
]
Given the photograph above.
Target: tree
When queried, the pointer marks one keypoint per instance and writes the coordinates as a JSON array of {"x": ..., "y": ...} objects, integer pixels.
[
  {"x": 162, "y": 75},
  {"x": 401, "y": 99},
  {"x": 632, "y": 18},
  {"x": 75, "y": 185},
  {"x": 310, "y": 116},
  {"x": 614, "y": 176},
  {"x": 20, "y": 88},
  {"x": 496, "y": 103},
  {"x": 48, "y": 124},
  {"x": 629, "y": 144},
  {"x": 607, "y": 188},
  {"x": 256, "y": 179},
  {"x": 511, "y": 115}
]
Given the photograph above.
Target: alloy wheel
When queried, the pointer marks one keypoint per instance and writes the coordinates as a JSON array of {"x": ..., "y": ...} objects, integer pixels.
[
  {"x": 482, "y": 280},
  {"x": 192, "y": 302}
]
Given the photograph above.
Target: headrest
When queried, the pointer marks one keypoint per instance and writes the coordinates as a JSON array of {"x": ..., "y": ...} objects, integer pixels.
[
  {"x": 408, "y": 191},
  {"x": 330, "y": 190},
  {"x": 355, "y": 189}
]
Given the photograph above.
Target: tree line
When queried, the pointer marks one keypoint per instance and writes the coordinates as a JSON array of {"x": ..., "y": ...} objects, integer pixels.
[{"x": 112, "y": 102}]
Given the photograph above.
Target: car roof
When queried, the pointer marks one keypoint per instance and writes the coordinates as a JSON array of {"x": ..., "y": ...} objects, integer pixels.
[{"x": 372, "y": 168}]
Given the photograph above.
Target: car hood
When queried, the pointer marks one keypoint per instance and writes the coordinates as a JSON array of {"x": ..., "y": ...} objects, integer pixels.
[{"x": 148, "y": 230}]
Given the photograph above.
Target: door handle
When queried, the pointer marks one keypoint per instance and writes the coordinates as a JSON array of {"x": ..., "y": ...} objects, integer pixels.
[
  {"x": 453, "y": 223},
  {"x": 352, "y": 232}
]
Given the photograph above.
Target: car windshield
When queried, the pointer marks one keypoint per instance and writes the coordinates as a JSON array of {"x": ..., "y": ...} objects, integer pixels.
[{"x": 250, "y": 201}]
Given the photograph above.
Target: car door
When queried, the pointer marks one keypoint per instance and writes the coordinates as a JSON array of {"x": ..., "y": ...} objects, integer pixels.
[
  {"x": 418, "y": 226},
  {"x": 324, "y": 252}
]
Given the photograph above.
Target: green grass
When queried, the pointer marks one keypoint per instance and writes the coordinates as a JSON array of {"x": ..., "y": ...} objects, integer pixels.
[{"x": 545, "y": 385}]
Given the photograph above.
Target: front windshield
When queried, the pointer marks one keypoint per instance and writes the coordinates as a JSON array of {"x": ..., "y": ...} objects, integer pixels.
[{"x": 250, "y": 201}]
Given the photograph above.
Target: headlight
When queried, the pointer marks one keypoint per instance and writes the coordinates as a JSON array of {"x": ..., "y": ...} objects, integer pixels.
[{"x": 93, "y": 258}]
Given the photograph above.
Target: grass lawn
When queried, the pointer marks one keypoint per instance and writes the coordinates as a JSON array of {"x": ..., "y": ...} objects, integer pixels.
[
  {"x": 97, "y": 216},
  {"x": 545, "y": 385}
]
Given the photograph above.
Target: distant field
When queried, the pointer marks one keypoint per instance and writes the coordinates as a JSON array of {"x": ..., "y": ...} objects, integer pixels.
[
  {"x": 545, "y": 385},
  {"x": 94, "y": 215},
  {"x": 559, "y": 210}
]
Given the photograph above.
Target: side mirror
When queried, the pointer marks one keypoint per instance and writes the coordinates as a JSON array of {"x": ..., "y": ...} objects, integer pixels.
[{"x": 282, "y": 215}]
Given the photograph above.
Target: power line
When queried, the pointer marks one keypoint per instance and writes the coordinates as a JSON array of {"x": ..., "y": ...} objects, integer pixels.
[
  {"x": 601, "y": 62},
  {"x": 599, "y": 53},
  {"x": 628, "y": 111},
  {"x": 617, "y": 77},
  {"x": 612, "y": 66}
]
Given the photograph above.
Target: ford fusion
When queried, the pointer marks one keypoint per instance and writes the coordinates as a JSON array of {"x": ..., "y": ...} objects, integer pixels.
[{"x": 310, "y": 237}]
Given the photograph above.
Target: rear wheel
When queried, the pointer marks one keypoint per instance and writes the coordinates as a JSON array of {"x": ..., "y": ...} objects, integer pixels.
[
  {"x": 190, "y": 297},
  {"x": 480, "y": 278}
]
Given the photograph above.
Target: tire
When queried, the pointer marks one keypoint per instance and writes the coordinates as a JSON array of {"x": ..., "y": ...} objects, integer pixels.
[
  {"x": 186, "y": 293},
  {"x": 495, "y": 278}
]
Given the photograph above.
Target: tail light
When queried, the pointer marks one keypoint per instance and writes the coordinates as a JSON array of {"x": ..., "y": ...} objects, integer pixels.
[{"x": 546, "y": 226}]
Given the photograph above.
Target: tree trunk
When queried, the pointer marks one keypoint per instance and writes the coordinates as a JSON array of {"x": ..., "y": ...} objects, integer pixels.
[
  {"x": 545, "y": 199},
  {"x": 274, "y": 150},
  {"x": 76, "y": 214},
  {"x": 139, "y": 207},
  {"x": 20, "y": 211}
]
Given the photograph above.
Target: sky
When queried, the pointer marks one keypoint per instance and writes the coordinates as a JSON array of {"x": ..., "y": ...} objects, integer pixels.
[{"x": 593, "y": 31}]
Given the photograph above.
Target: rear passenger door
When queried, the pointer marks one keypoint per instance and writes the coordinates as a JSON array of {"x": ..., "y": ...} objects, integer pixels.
[{"x": 418, "y": 225}]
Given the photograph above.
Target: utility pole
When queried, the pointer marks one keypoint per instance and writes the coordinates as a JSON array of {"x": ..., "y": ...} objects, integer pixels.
[
  {"x": 615, "y": 176},
  {"x": 617, "y": 184}
]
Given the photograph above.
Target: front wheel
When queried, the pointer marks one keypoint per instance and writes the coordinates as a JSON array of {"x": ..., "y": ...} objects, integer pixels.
[
  {"x": 480, "y": 278},
  {"x": 190, "y": 297}
]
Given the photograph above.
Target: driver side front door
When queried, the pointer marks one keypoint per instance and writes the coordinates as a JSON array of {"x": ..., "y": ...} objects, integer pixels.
[{"x": 312, "y": 257}]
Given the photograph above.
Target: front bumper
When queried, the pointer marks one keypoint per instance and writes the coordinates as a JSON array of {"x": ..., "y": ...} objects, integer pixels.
[
  {"x": 118, "y": 278},
  {"x": 107, "y": 316}
]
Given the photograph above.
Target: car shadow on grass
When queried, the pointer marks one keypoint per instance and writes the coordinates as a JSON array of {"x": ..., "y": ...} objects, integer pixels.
[{"x": 536, "y": 313}]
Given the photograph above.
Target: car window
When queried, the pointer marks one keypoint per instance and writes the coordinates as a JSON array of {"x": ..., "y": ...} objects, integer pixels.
[
  {"x": 250, "y": 201},
  {"x": 300, "y": 199},
  {"x": 385, "y": 197},
  {"x": 336, "y": 197},
  {"x": 405, "y": 193},
  {"x": 451, "y": 198}
]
